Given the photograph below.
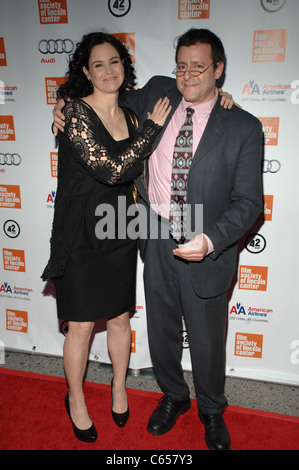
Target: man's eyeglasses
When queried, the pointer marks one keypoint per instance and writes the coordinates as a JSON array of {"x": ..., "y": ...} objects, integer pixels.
[{"x": 180, "y": 70}]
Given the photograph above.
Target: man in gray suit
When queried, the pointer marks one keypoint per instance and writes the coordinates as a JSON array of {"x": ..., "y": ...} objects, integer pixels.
[{"x": 192, "y": 277}]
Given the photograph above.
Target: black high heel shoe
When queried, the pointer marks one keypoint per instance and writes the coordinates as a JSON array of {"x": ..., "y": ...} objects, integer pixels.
[
  {"x": 119, "y": 418},
  {"x": 85, "y": 435}
]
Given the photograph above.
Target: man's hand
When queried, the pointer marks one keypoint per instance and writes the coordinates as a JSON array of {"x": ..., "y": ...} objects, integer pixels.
[
  {"x": 195, "y": 250},
  {"x": 59, "y": 118}
]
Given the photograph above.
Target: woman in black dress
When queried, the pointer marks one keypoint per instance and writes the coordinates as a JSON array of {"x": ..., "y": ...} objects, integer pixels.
[{"x": 93, "y": 270}]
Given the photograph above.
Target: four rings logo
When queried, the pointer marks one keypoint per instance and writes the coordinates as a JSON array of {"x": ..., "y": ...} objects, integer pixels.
[
  {"x": 56, "y": 46},
  {"x": 10, "y": 159},
  {"x": 271, "y": 166}
]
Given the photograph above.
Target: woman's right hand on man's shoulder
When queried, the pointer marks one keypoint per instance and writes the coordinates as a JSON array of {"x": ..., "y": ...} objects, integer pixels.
[
  {"x": 58, "y": 117},
  {"x": 160, "y": 112}
]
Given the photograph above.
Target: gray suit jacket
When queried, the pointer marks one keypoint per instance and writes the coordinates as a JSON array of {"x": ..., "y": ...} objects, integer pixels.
[{"x": 225, "y": 177}]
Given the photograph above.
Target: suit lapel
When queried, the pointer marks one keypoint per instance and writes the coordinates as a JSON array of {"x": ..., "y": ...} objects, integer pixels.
[{"x": 215, "y": 128}]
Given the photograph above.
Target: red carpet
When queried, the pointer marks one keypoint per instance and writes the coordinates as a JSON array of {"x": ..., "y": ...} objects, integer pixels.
[{"x": 33, "y": 417}]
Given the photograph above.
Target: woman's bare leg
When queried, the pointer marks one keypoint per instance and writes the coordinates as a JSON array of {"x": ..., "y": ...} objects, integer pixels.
[
  {"x": 119, "y": 347},
  {"x": 76, "y": 349}
]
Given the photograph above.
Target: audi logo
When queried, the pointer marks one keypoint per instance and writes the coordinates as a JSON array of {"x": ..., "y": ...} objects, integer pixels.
[
  {"x": 10, "y": 159},
  {"x": 56, "y": 46},
  {"x": 271, "y": 166}
]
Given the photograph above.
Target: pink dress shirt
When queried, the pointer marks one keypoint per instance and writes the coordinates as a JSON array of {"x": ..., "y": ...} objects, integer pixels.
[{"x": 160, "y": 162}]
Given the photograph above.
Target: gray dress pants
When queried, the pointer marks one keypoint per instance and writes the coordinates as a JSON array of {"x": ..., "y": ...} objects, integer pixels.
[{"x": 169, "y": 295}]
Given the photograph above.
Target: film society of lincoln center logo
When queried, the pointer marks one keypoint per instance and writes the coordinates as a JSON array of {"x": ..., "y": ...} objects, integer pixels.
[
  {"x": 269, "y": 45},
  {"x": 52, "y": 83},
  {"x": 253, "y": 278},
  {"x": 52, "y": 12},
  {"x": 7, "y": 128},
  {"x": 248, "y": 345},
  {"x": 17, "y": 320},
  {"x": 10, "y": 196},
  {"x": 268, "y": 206},
  {"x": 3, "y": 62},
  {"x": 14, "y": 260},
  {"x": 193, "y": 9},
  {"x": 270, "y": 129}
]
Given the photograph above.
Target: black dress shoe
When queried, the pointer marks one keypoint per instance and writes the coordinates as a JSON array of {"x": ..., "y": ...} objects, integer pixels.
[
  {"x": 216, "y": 435},
  {"x": 85, "y": 435},
  {"x": 119, "y": 418},
  {"x": 166, "y": 414}
]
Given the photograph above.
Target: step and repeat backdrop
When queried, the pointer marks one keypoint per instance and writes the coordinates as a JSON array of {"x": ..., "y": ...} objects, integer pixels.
[{"x": 261, "y": 42}]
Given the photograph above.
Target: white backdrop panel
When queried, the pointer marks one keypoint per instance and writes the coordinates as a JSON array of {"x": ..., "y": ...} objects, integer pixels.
[{"x": 260, "y": 38}]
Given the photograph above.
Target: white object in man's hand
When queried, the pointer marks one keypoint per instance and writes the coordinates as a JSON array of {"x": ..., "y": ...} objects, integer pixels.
[{"x": 194, "y": 250}]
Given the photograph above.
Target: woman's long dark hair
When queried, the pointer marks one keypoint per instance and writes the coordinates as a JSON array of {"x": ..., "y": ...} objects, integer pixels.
[{"x": 77, "y": 84}]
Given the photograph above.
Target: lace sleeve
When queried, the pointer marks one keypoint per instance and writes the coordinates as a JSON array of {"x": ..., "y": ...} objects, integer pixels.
[{"x": 81, "y": 135}]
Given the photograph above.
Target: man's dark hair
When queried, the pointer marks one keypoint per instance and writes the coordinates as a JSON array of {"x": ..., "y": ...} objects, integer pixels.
[{"x": 194, "y": 36}]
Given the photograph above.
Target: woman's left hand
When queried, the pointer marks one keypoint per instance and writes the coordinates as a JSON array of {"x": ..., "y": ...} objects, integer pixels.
[
  {"x": 160, "y": 112},
  {"x": 227, "y": 99}
]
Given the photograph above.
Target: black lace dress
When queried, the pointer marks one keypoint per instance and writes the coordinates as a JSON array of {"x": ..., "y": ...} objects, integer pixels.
[{"x": 93, "y": 256}]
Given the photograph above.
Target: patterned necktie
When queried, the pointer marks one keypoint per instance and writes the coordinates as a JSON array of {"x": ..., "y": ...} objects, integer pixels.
[{"x": 182, "y": 158}]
